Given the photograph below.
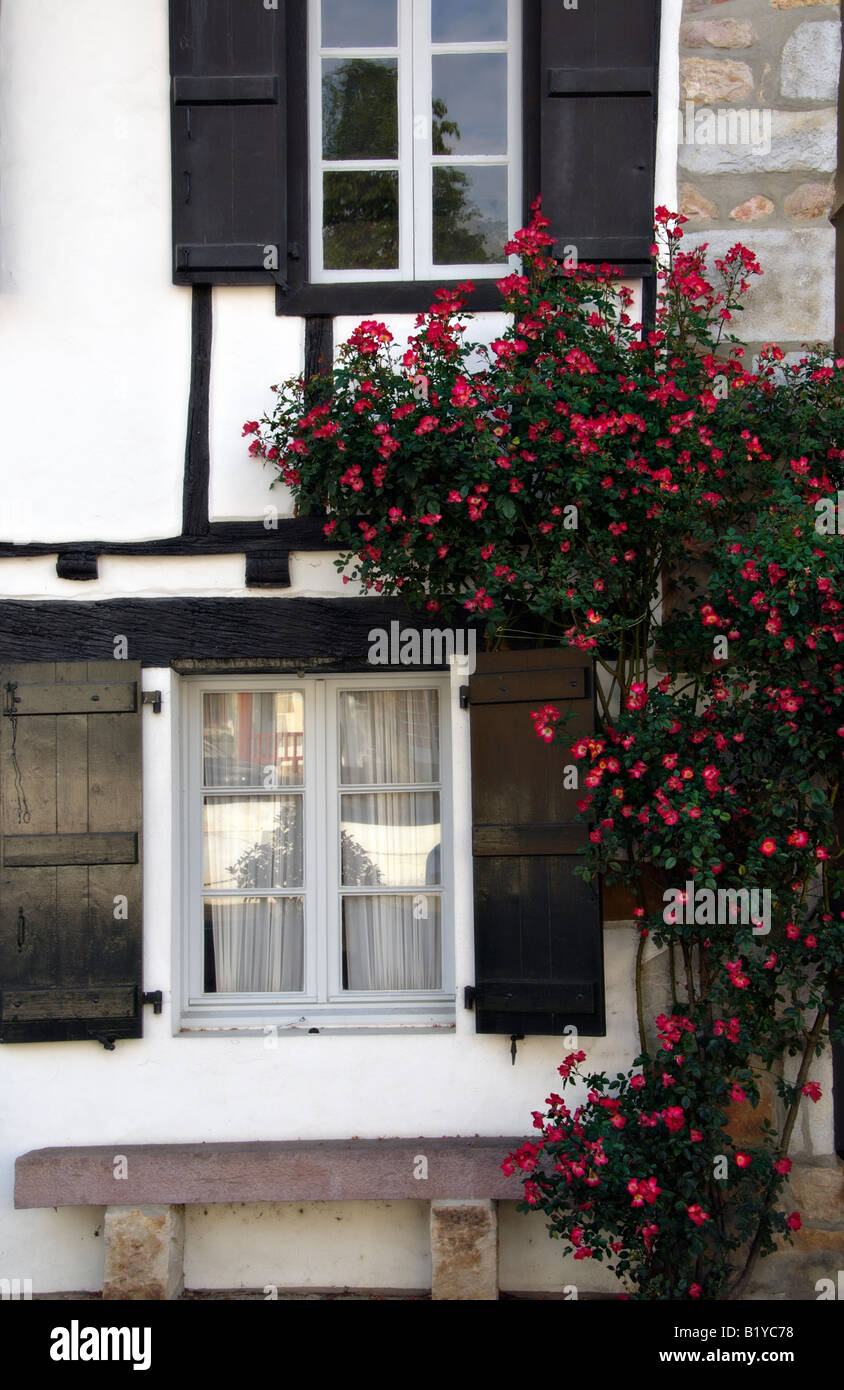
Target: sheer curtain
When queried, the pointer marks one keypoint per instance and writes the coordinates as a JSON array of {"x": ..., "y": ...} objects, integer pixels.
[
  {"x": 254, "y": 843},
  {"x": 387, "y": 947},
  {"x": 258, "y": 944},
  {"x": 391, "y": 839}
]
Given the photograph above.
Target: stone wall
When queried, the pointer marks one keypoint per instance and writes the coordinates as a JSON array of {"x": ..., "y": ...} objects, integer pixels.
[{"x": 757, "y": 152}]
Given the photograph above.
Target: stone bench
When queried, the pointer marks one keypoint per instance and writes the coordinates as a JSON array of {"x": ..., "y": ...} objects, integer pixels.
[{"x": 145, "y": 1188}]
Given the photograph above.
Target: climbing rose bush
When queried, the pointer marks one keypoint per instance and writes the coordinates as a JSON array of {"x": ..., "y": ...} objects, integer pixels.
[{"x": 646, "y": 496}]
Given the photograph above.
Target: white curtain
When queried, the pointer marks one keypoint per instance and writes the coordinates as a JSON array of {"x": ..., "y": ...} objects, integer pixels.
[
  {"x": 388, "y": 947},
  {"x": 389, "y": 839},
  {"x": 389, "y": 736},
  {"x": 254, "y": 844},
  {"x": 258, "y": 944}
]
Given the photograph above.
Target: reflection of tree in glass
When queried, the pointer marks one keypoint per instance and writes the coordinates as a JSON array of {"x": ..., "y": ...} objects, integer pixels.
[
  {"x": 275, "y": 862},
  {"x": 358, "y": 868},
  {"x": 359, "y": 111},
  {"x": 257, "y": 867},
  {"x": 453, "y": 211},
  {"x": 360, "y": 121},
  {"x": 360, "y": 209}
]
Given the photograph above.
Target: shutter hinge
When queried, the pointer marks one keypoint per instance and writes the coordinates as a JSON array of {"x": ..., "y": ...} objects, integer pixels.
[
  {"x": 469, "y": 995},
  {"x": 152, "y": 996},
  {"x": 464, "y": 697},
  {"x": 294, "y": 251},
  {"x": 152, "y": 697}
]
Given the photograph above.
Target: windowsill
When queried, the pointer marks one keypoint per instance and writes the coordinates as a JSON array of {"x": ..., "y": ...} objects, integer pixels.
[
  {"x": 405, "y": 296},
  {"x": 396, "y": 297},
  {"x": 269, "y": 1030}
]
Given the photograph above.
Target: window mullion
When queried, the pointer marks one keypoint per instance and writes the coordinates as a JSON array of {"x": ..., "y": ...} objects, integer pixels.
[
  {"x": 422, "y": 138},
  {"x": 320, "y": 930}
]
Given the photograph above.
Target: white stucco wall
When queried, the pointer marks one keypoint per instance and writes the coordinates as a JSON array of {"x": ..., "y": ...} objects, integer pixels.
[{"x": 94, "y": 339}]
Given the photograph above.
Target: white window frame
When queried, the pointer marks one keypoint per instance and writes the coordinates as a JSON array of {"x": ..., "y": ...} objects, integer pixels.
[
  {"x": 323, "y": 1005},
  {"x": 416, "y": 159}
]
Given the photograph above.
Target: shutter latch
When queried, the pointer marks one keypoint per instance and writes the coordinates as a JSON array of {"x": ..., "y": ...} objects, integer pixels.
[
  {"x": 152, "y": 697},
  {"x": 464, "y": 697}
]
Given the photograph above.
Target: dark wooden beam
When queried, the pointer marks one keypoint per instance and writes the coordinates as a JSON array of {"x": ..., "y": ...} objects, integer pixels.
[
  {"x": 289, "y": 633},
  {"x": 197, "y": 445},
  {"x": 221, "y": 538}
]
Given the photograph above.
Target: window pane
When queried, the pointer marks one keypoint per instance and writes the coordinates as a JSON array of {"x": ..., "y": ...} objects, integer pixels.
[
  {"x": 468, "y": 21},
  {"x": 359, "y": 24},
  {"x": 252, "y": 842},
  {"x": 389, "y": 944},
  {"x": 253, "y": 739},
  {"x": 389, "y": 736},
  {"x": 254, "y": 945},
  {"x": 360, "y": 108},
  {"x": 469, "y": 103},
  {"x": 390, "y": 838},
  {"x": 360, "y": 221},
  {"x": 470, "y": 214}
]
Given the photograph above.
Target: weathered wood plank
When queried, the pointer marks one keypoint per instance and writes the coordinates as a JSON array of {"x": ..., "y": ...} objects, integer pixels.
[
  {"x": 550, "y": 996},
  {"x": 42, "y": 851},
  {"x": 551, "y": 838},
  {"x": 529, "y": 686},
  {"x": 93, "y": 1002},
  {"x": 86, "y": 698},
  {"x": 333, "y": 634}
]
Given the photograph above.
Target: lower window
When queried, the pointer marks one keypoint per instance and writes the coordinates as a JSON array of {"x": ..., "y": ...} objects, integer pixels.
[{"x": 317, "y": 882}]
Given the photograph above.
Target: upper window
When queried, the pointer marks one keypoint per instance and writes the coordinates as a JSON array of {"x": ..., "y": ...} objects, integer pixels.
[
  {"x": 415, "y": 138},
  {"x": 316, "y": 883}
]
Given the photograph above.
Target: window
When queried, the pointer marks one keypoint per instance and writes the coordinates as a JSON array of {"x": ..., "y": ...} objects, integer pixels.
[
  {"x": 415, "y": 131},
  {"x": 317, "y": 827},
  {"x": 358, "y": 154}
]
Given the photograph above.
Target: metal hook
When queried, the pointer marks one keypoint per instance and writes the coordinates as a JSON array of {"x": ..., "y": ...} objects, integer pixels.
[{"x": 21, "y": 928}]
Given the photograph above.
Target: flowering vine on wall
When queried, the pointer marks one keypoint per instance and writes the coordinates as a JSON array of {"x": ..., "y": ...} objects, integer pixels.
[{"x": 645, "y": 496}]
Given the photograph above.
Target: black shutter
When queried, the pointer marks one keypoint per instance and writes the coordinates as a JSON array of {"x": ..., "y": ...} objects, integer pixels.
[
  {"x": 597, "y": 112},
  {"x": 538, "y": 939},
  {"x": 229, "y": 142},
  {"x": 70, "y": 864}
]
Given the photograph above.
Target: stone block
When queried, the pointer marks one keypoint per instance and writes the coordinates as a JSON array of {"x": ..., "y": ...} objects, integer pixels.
[
  {"x": 717, "y": 33},
  {"x": 801, "y": 4},
  {"x": 795, "y": 1272},
  {"x": 753, "y": 209},
  {"x": 778, "y": 142},
  {"x": 144, "y": 1253},
  {"x": 818, "y": 1191},
  {"x": 745, "y": 1121},
  {"x": 810, "y": 201},
  {"x": 464, "y": 1250},
  {"x": 694, "y": 205},
  {"x": 810, "y": 62},
  {"x": 715, "y": 79},
  {"x": 793, "y": 299}
]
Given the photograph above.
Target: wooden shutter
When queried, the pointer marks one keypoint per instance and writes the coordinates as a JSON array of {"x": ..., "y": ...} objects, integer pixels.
[
  {"x": 597, "y": 113},
  {"x": 538, "y": 940},
  {"x": 70, "y": 863},
  {"x": 228, "y": 90}
]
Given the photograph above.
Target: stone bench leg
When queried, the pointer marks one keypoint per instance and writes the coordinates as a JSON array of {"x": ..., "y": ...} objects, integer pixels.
[
  {"x": 464, "y": 1250},
  {"x": 144, "y": 1252}
]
